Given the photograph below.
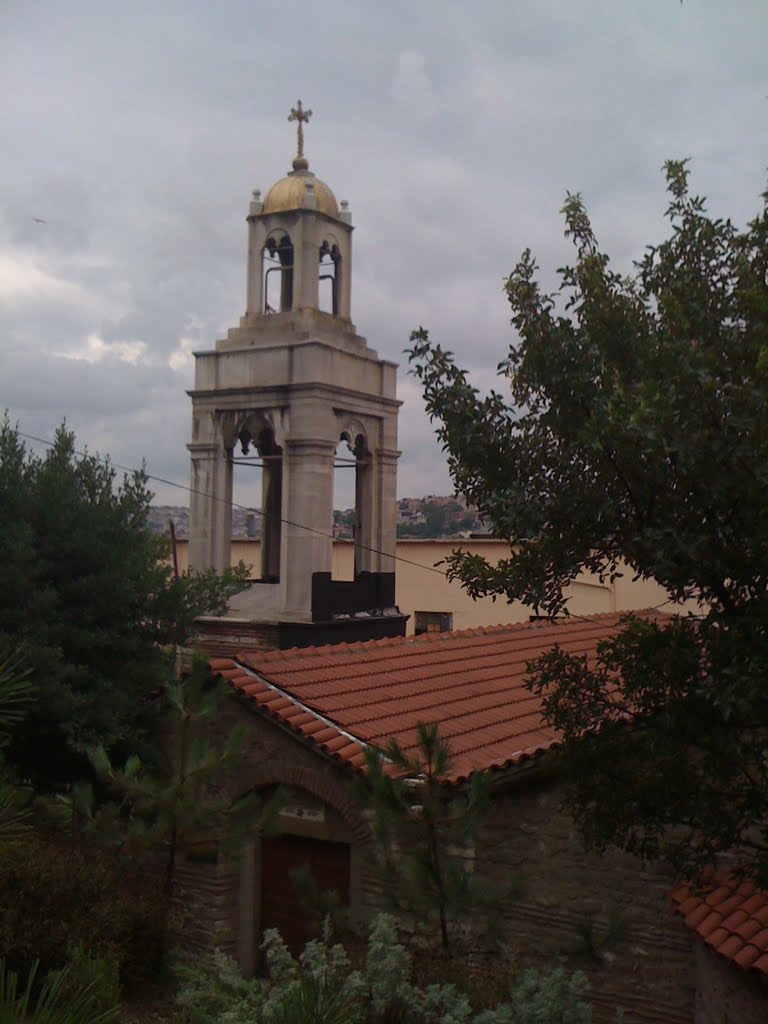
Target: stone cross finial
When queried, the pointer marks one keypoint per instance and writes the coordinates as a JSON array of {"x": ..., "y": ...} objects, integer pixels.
[{"x": 299, "y": 114}]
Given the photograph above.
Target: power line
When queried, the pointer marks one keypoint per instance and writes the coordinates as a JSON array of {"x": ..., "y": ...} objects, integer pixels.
[
  {"x": 301, "y": 526},
  {"x": 205, "y": 494}
]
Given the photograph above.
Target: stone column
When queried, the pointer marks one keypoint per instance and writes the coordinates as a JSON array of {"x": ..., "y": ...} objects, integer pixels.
[
  {"x": 307, "y": 502},
  {"x": 385, "y": 498},
  {"x": 365, "y": 526},
  {"x": 345, "y": 279},
  {"x": 201, "y": 505},
  {"x": 255, "y": 281},
  {"x": 222, "y": 509}
]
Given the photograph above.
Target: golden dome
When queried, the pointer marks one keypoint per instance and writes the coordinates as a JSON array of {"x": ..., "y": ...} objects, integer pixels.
[{"x": 288, "y": 193}]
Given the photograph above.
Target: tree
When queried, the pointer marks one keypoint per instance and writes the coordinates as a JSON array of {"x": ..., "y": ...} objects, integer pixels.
[
  {"x": 637, "y": 429},
  {"x": 182, "y": 803},
  {"x": 92, "y": 595},
  {"x": 16, "y": 698},
  {"x": 422, "y": 828}
]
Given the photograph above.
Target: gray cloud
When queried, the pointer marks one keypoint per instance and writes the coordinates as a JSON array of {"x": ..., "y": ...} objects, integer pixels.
[{"x": 137, "y": 132}]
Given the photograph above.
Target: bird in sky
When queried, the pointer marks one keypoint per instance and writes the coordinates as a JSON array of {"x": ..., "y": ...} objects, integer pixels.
[{"x": 39, "y": 220}]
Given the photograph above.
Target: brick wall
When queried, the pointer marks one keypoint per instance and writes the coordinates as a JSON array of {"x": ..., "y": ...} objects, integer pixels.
[
  {"x": 567, "y": 899},
  {"x": 207, "y": 891},
  {"x": 726, "y": 994},
  {"x": 563, "y": 893},
  {"x": 225, "y": 638}
]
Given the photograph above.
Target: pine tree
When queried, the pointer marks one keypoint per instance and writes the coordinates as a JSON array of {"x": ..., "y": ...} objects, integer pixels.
[
  {"x": 425, "y": 831},
  {"x": 184, "y": 802}
]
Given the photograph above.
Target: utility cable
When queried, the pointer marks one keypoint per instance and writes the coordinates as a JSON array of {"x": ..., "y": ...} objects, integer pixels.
[
  {"x": 301, "y": 526},
  {"x": 244, "y": 508}
]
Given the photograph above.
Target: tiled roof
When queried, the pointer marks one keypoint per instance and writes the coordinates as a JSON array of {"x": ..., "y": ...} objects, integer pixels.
[
  {"x": 731, "y": 915},
  {"x": 348, "y": 696}
]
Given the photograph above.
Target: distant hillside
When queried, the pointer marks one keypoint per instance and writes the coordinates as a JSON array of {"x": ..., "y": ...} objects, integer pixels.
[{"x": 431, "y": 516}]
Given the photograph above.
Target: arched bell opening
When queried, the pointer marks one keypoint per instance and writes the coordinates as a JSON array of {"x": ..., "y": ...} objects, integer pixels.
[
  {"x": 278, "y": 266},
  {"x": 258, "y": 485},
  {"x": 344, "y": 510},
  {"x": 329, "y": 281}
]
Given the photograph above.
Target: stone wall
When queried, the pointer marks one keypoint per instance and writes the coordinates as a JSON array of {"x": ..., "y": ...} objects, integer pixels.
[
  {"x": 210, "y": 890},
  {"x": 556, "y": 900},
  {"x": 608, "y": 916},
  {"x": 726, "y": 994}
]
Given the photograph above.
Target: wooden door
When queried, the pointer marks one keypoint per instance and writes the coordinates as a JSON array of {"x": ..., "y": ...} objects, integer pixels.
[{"x": 328, "y": 863}]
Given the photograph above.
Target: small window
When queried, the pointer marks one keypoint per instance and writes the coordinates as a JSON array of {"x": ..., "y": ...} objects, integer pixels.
[{"x": 433, "y": 622}]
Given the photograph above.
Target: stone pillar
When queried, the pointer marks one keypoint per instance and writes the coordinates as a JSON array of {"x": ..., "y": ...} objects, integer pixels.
[
  {"x": 365, "y": 539},
  {"x": 255, "y": 280},
  {"x": 222, "y": 509},
  {"x": 201, "y": 505},
  {"x": 308, "y": 502},
  {"x": 307, "y": 258},
  {"x": 345, "y": 280},
  {"x": 385, "y": 498}
]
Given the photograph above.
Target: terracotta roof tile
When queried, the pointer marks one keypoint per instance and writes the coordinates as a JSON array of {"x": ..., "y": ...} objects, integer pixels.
[
  {"x": 724, "y": 941},
  {"x": 695, "y": 916},
  {"x": 472, "y": 683},
  {"x": 709, "y": 924},
  {"x": 746, "y": 956},
  {"x": 730, "y": 913},
  {"x": 733, "y": 920}
]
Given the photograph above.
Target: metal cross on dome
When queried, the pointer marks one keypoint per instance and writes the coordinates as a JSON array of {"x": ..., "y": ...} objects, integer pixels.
[{"x": 302, "y": 116}]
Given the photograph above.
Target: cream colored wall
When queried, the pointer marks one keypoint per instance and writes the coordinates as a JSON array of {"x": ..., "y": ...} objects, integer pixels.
[{"x": 420, "y": 588}]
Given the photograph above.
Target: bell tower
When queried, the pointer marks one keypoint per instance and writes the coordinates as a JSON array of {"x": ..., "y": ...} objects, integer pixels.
[{"x": 290, "y": 383}]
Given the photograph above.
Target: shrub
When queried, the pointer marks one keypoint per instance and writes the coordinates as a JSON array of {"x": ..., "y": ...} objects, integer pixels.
[
  {"x": 212, "y": 990},
  {"x": 321, "y": 987},
  {"x": 57, "y": 898},
  {"x": 99, "y": 973},
  {"x": 57, "y": 1002}
]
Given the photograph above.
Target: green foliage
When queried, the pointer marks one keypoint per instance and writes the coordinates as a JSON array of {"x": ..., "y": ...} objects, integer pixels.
[
  {"x": 322, "y": 987},
  {"x": 319, "y": 904},
  {"x": 634, "y": 427},
  {"x": 162, "y": 810},
  {"x": 98, "y": 973},
  {"x": 56, "y": 897},
  {"x": 596, "y": 940},
  {"x": 425, "y": 831},
  {"x": 90, "y": 592},
  {"x": 16, "y": 698},
  {"x": 57, "y": 1002},
  {"x": 212, "y": 990}
]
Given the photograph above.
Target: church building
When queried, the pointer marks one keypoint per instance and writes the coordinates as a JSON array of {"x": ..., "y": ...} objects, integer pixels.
[{"x": 320, "y": 670}]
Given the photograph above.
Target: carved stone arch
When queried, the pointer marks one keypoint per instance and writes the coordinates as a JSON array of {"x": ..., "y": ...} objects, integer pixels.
[
  {"x": 353, "y": 431},
  {"x": 241, "y": 426},
  {"x": 332, "y": 792},
  {"x": 276, "y": 238},
  {"x": 329, "y": 242}
]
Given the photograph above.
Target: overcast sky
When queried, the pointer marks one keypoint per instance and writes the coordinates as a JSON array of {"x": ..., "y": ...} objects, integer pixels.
[{"x": 137, "y": 131}]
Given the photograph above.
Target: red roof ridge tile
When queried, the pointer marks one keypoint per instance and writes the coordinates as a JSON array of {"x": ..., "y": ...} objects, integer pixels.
[
  {"x": 536, "y": 626},
  {"x": 297, "y": 716}
]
